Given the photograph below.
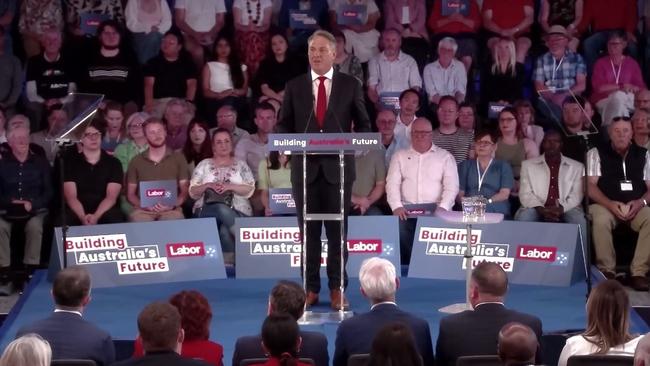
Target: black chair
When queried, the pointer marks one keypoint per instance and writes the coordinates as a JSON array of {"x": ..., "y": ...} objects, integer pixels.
[
  {"x": 600, "y": 360},
  {"x": 483, "y": 360},
  {"x": 72, "y": 362},
  {"x": 256, "y": 361},
  {"x": 359, "y": 359}
]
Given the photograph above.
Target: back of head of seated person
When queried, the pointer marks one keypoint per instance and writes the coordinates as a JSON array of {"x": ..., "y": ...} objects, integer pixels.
[
  {"x": 608, "y": 318},
  {"x": 28, "y": 350},
  {"x": 379, "y": 281},
  {"x": 517, "y": 344},
  {"x": 159, "y": 326},
  {"x": 394, "y": 345},
  {"x": 489, "y": 283},
  {"x": 281, "y": 338},
  {"x": 195, "y": 312},
  {"x": 287, "y": 297},
  {"x": 71, "y": 288}
]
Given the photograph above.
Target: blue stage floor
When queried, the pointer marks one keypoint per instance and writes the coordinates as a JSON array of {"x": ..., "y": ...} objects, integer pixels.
[{"x": 239, "y": 306}]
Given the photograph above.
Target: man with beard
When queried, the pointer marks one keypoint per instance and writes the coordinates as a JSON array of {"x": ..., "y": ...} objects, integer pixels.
[{"x": 158, "y": 162}]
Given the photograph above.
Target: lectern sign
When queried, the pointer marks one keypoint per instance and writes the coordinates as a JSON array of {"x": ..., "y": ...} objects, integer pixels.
[{"x": 324, "y": 141}]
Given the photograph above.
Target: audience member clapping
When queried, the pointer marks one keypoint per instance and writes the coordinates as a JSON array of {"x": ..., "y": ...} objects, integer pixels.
[
  {"x": 196, "y": 315},
  {"x": 518, "y": 345},
  {"x": 608, "y": 325},
  {"x": 281, "y": 340},
  {"x": 28, "y": 350},
  {"x": 114, "y": 135},
  {"x": 394, "y": 345},
  {"x": 197, "y": 145},
  {"x": 147, "y": 20},
  {"x": 273, "y": 172},
  {"x": 222, "y": 186}
]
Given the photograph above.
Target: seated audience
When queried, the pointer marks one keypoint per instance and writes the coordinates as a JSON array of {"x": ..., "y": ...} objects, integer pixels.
[
  {"x": 449, "y": 136},
  {"x": 615, "y": 80},
  {"x": 462, "y": 25},
  {"x": 281, "y": 341},
  {"x": 385, "y": 122},
  {"x": 114, "y": 118},
  {"x": 391, "y": 71},
  {"x": 178, "y": 114},
  {"x": 379, "y": 284},
  {"x": 276, "y": 69},
  {"x": 517, "y": 345},
  {"x": 25, "y": 194},
  {"x": 345, "y": 61},
  {"x": 316, "y": 10},
  {"x": 512, "y": 146},
  {"x": 221, "y": 187},
  {"x": 468, "y": 120},
  {"x": 424, "y": 173},
  {"x": 19, "y": 120},
  {"x": 411, "y": 26},
  {"x": 526, "y": 117},
  {"x": 57, "y": 118},
  {"x": 641, "y": 128},
  {"x": 197, "y": 145},
  {"x": 608, "y": 325},
  {"x": 558, "y": 72},
  {"x": 565, "y": 13},
  {"x": 509, "y": 19},
  {"x": 370, "y": 183},
  {"x": 49, "y": 78},
  {"x": 75, "y": 10},
  {"x": 252, "y": 22},
  {"x": 409, "y": 104},
  {"x": 28, "y": 350},
  {"x": 225, "y": 78},
  {"x": 394, "y": 345},
  {"x": 162, "y": 335},
  {"x": 92, "y": 182},
  {"x": 476, "y": 332},
  {"x": 576, "y": 120},
  {"x": 11, "y": 80},
  {"x": 361, "y": 39},
  {"x": 502, "y": 81},
  {"x": 68, "y": 333},
  {"x": 286, "y": 298},
  {"x": 147, "y": 20},
  {"x": 642, "y": 99},
  {"x": 196, "y": 315},
  {"x": 273, "y": 172},
  {"x": 618, "y": 178},
  {"x": 170, "y": 74},
  {"x": 486, "y": 176},
  {"x": 36, "y": 18},
  {"x": 158, "y": 162},
  {"x": 252, "y": 149},
  {"x": 200, "y": 21},
  {"x": 445, "y": 76},
  {"x": 112, "y": 69},
  {"x": 227, "y": 119},
  {"x": 136, "y": 141},
  {"x": 551, "y": 186}
]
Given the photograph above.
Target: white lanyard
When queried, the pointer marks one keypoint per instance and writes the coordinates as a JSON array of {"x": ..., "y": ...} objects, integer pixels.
[
  {"x": 555, "y": 68},
  {"x": 481, "y": 176},
  {"x": 617, "y": 74},
  {"x": 624, "y": 168}
]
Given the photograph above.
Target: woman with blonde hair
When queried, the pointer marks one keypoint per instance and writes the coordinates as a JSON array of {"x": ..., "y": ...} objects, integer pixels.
[
  {"x": 503, "y": 81},
  {"x": 28, "y": 350},
  {"x": 608, "y": 325}
]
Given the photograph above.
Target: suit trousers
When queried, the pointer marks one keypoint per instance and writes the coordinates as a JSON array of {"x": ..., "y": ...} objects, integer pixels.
[
  {"x": 324, "y": 197},
  {"x": 603, "y": 224}
]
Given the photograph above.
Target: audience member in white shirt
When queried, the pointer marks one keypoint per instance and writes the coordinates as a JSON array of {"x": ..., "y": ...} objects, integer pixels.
[{"x": 447, "y": 75}]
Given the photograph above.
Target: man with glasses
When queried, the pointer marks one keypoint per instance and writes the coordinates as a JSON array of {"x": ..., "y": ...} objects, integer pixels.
[
  {"x": 619, "y": 178},
  {"x": 227, "y": 118},
  {"x": 422, "y": 174}
]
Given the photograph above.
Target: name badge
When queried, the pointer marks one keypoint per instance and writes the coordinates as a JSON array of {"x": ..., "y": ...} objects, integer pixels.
[{"x": 626, "y": 186}]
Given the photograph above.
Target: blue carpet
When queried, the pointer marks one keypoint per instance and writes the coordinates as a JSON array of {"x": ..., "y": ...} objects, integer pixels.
[{"x": 239, "y": 306}]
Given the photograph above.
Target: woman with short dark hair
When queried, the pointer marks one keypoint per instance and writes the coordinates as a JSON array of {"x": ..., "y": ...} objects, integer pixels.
[
  {"x": 281, "y": 340},
  {"x": 394, "y": 345}
]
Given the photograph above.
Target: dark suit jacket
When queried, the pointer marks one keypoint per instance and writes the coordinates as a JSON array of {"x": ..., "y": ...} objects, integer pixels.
[
  {"x": 71, "y": 336},
  {"x": 355, "y": 335},
  {"x": 163, "y": 358},
  {"x": 346, "y": 104},
  {"x": 473, "y": 333},
  {"x": 314, "y": 346}
]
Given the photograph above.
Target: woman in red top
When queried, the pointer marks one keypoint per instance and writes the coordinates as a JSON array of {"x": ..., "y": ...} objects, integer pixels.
[
  {"x": 281, "y": 341},
  {"x": 196, "y": 315}
]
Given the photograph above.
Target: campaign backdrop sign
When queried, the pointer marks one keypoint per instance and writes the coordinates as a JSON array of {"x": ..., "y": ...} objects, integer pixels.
[
  {"x": 270, "y": 247},
  {"x": 144, "y": 252},
  {"x": 530, "y": 252}
]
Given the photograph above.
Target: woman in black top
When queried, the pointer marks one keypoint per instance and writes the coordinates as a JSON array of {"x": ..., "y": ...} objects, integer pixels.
[{"x": 503, "y": 81}]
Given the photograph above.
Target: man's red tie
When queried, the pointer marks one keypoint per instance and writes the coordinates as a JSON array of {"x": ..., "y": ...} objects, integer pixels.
[{"x": 321, "y": 102}]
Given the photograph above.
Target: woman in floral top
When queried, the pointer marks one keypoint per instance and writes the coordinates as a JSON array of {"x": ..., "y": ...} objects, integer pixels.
[{"x": 225, "y": 176}]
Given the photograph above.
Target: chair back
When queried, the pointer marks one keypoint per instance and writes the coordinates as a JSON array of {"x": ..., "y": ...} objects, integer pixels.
[
  {"x": 600, "y": 360},
  {"x": 257, "y": 361},
  {"x": 73, "y": 362},
  {"x": 359, "y": 359},
  {"x": 482, "y": 360}
]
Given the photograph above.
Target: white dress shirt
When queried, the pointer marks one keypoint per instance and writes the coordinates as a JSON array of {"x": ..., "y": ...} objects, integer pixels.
[
  {"x": 393, "y": 76},
  {"x": 414, "y": 178},
  {"x": 445, "y": 81},
  {"x": 578, "y": 345},
  {"x": 328, "y": 85},
  {"x": 403, "y": 131}
]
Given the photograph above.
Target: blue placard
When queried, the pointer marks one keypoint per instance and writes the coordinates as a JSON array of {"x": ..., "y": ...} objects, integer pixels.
[
  {"x": 302, "y": 19},
  {"x": 420, "y": 209},
  {"x": 449, "y": 7},
  {"x": 495, "y": 108},
  {"x": 281, "y": 201},
  {"x": 89, "y": 22},
  {"x": 389, "y": 100},
  {"x": 143, "y": 253},
  {"x": 531, "y": 253},
  {"x": 351, "y": 14},
  {"x": 271, "y": 247},
  {"x": 153, "y": 192}
]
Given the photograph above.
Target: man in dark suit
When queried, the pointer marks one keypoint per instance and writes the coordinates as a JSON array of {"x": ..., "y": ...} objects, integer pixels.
[
  {"x": 323, "y": 101},
  {"x": 159, "y": 326},
  {"x": 69, "y": 334},
  {"x": 379, "y": 284},
  {"x": 476, "y": 332},
  {"x": 286, "y": 297}
]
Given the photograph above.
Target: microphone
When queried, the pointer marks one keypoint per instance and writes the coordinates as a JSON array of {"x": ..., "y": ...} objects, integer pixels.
[{"x": 311, "y": 113}]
